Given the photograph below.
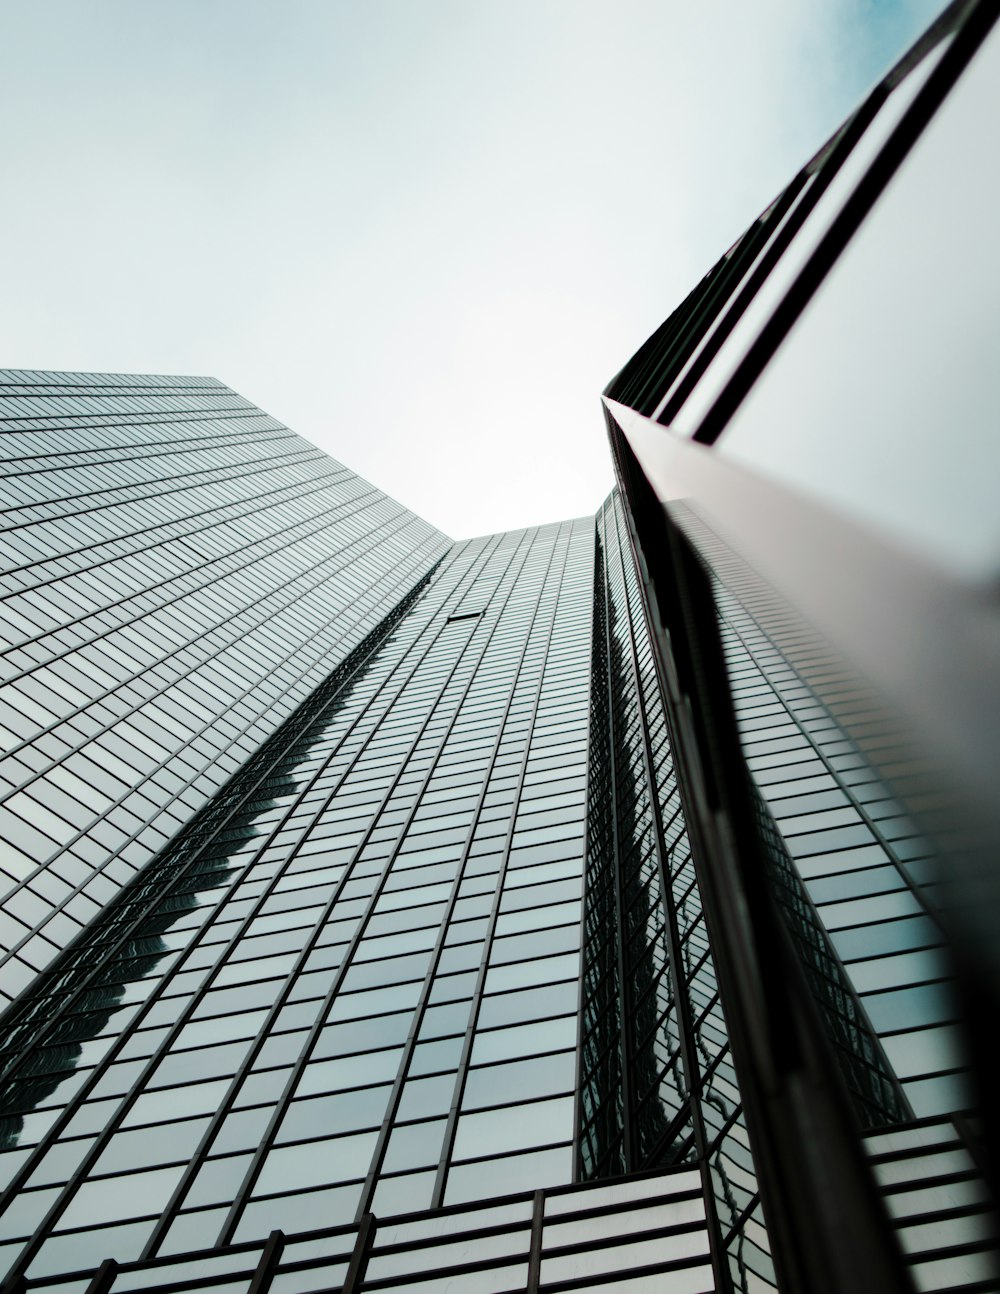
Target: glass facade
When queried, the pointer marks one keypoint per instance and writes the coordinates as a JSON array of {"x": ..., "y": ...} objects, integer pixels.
[
  {"x": 854, "y": 862},
  {"x": 826, "y": 655},
  {"x": 575, "y": 908},
  {"x": 657, "y": 1080},
  {"x": 180, "y": 571},
  {"x": 351, "y": 983}
]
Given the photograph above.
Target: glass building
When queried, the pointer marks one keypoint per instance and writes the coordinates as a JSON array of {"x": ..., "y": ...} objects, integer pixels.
[
  {"x": 180, "y": 573},
  {"x": 596, "y": 906}
]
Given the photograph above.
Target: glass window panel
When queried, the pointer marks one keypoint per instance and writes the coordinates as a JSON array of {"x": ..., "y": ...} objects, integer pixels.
[
  {"x": 424, "y": 1098},
  {"x": 448, "y": 1018},
  {"x": 190, "y": 1066},
  {"x": 318, "y": 1116},
  {"x": 363, "y": 1035},
  {"x": 905, "y": 968},
  {"x": 156, "y": 1107},
  {"x": 92, "y": 1116},
  {"x": 453, "y": 988},
  {"x": 429, "y": 1057},
  {"x": 444, "y": 1255},
  {"x": 403, "y": 1194},
  {"x": 543, "y": 1076},
  {"x": 527, "y": 974},
  {"x": 26, "y": 1211},
  {"x": 316, "y": 1163},
  {"x": 348, "y": 1071},
  {"x": 353, "y": 1006},
  {"x": 328, "y": 1276},
  {"x": 414, "y": 1145},
  {"x": 909, "y": 1008},
  {"x": 515, "y": 1127},
  {"x": 530, "y": 1004},
  {"x": 888, "y": 937},
  {"x": 161, "y": 1143},
  {"x": 516, "y": 948},
  {"x": 302, "y": 1212},
  {"x": 878, "y": 907},
  {"x": 242, "y": 1130},
  {"x": 130, "y": 1196},
  {"x": 926, "y": 1051},
  {"x": 217, "y": 1180},
  {"x": 526, "y": 1172},
  {"x": 370, "y": 974},
  {"x": 524, "y": 1040},
  {"x": 79, "y": 1249}
]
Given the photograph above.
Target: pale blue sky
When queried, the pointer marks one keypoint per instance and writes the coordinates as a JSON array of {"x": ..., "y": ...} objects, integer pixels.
[{"x": 424, "y": 233}]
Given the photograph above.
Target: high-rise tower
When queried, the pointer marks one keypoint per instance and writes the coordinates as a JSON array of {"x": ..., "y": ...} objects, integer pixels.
[{"x": 596, "y": 906}]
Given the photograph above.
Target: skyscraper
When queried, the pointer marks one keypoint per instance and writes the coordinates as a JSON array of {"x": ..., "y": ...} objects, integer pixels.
[
  {"x": 181, "y": 571},
  {"x": 560, "y": 909}
]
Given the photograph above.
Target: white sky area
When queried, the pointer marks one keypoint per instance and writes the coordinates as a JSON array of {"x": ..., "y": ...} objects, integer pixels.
[{"x": 424, "y": 233}]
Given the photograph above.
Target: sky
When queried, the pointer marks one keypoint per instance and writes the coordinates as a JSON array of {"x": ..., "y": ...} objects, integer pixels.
[{"x": 423, "y": 233}]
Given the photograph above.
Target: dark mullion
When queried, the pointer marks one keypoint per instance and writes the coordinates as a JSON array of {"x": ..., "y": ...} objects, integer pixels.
[
  {"x": 355, "y": 1277},
  {"x": 104, "y": 1277},
  {"x": 270, "y": 1256},
  {"x": 594, "y": 1055}
]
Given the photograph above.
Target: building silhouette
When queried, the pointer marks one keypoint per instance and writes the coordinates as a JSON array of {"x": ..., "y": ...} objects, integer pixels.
[{"x": 608, "y": 904}]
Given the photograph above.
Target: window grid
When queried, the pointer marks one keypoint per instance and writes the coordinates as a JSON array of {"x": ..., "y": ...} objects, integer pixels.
[
  {"x": 529, "y": 680},
  {"x": 178, "y": 568}
]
